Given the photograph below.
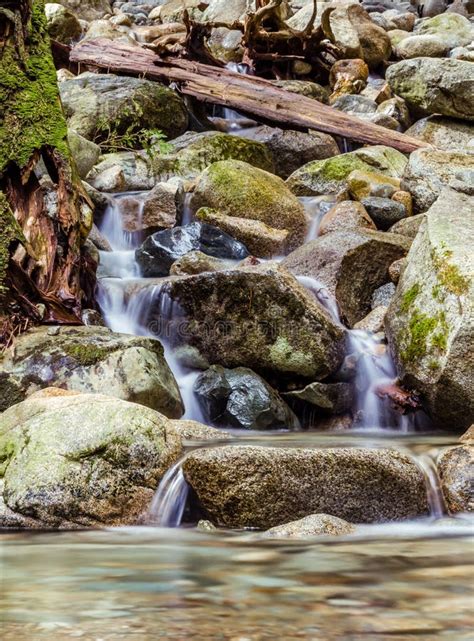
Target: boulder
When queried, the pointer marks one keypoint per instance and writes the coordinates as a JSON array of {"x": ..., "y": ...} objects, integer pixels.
[
  {"x": 350, "y": 264},
  {"x": 97, "y": 105},
  {"x": 345, "y": 215},
  {"x": 333, "y": 398},
  {"x": 196, "y": 262},
  {"x": 260, "y": 239},
  {"x": 357, "y": 36},
  {"x": 122, "y": 171},
  {"x": 72, "y": 460},
  {"x": 258, "y": 317},
  {"x": 446, "y": 134},
  {"x": 291, "y": 149},
  {"x": 429, "y": 170},
  {"x": 89, "y": 360},
  {"x": 435, "y": 86},
  {"x": 304, "y": 88},
  {"x": 455, "y": 470},
  {"x": 192, "y": 153},
  {"x": 330, "y": 175},
  {"x": 159, "y": 209},
  {"x": 429, "y": 324},
  {"x": 88, "y": 9},
  {"x": 262, "y": 487},
  {"x": 85, "y": 152},
  {"x": 106, "y": 29},
  {"x": 397, "y": 109},
  {"x": 408, "y": 227},
  {"x": 384, "y": 211},
  {"x": 160, "y": 250},
  {"x": 422, "y": 46},
  {"x": 454, "y": 30},
  {"x": 240, "y": 398},
  {"x": 237, "y": 189},
  {"x": 365, "y": 184},
  {"x": 312, "y": 525},
  {"x": 63, "y": 25}
]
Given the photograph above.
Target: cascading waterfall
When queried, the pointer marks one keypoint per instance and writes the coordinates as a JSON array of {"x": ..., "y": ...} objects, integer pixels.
[{"x": 169, "y": 502}]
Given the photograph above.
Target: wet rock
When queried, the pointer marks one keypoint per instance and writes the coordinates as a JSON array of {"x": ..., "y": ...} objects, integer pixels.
[
  {"x": 408, "y": 227},
  {"x": 428, "y": 323},
  {"x": 347, "y": 214},
  {"x": 246, "y": 317},
  {"x": 418, "y": 46},
  {"x": 122, "y": 171},
  {"x": 159, "y": 210},
  {"x": 63, "y": 25},
  {"x": 193, "y": 152},
  {"x": 263, "y": 487},
  {"x": 260, "y": 239},
  {"x": 312, "y": 525},
  {"x": 334, "y": 398},
  {"x": 97, "y": 104},
  {"x": 428, "y": 171},
  {"x": 90, "y": 360},
  {"x": 330, "y": 176},
  {"x": 455, "y": 469},
  {"x": 383, "y": 295},
  {"x": 239, "y": 398},
  {"x": 384, "y": 211},
  {"x": 237, "y": 189},
  {"x": 75, "y": 460},
  {"x": 196, "y": 262},
  {"x": 160, "y": 250},
  {"x": 446, "y": 134},
  {"x": 291, "y": 149},
  {"x": 88, "y": 9},
  {"x": 365, "y": 184},
  {"x": 351, "y": 264},
  {"x": 454, "y": 30},
  {"x": 92, "y": 318},
  {"x": 435, "y": 86},
  {"x": 357, "y": 36},
  {"x": 374, "y": 321},
  {"x": 85, "y": 152}
]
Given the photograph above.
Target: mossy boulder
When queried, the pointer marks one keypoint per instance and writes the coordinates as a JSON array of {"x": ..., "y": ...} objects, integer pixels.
[
  {"x": 192, "y": 153},
  {"x": 62, "y": 24},
  {"x": 257, "y": 317},
  {"x": 429, "y": 323},
  {"x": 237, "y": 189},
  {"x": 455, "y": 469},
  {"x": 71, "y": 460},
  {"x": 89, "y": 359},
  {"x": 453, "y": 29},
  {"x": 435, "y": 86},
  {"x": 429, "y": 170},
  {"x": 331, "y": 175},
  {"x": 97, "y": 104},
  {"x": 263, "y": 487},
  {"x": 350, "y": 264}
]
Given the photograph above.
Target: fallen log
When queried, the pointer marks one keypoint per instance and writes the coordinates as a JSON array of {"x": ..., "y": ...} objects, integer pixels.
[{"x": 252, "y": 95}]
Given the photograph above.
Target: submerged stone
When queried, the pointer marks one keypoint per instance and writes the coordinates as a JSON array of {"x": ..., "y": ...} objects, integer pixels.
[{"x": 312, "y": 525}]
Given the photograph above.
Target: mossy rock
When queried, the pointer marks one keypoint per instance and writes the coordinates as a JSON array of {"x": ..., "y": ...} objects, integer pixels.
[
  {"x": 330, "y": 175},
  {"x": 70, "y": 460},
  {"x": 263, "y": 487},
  {"x": 257, "y": 317},
  {"x": 237, "y": 189},
  {"x": 89, "y": 359},
  {"x": 93, "y": 103},
  {"x": 455, "y": 30},
  {"x": 429, "y": 322}
]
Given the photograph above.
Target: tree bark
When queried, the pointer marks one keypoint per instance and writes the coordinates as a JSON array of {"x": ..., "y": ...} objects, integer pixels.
[
  {"x": 45, "y": 214},
  {"x": 255, "y": 96}
]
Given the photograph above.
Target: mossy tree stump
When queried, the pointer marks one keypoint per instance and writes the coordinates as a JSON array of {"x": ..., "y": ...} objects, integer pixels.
[{"x": 44, "y": 212}]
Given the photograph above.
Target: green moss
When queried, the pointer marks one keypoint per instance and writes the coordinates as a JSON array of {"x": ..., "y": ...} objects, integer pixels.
[
  {"x": 87, "y": 354},
  {"x": 449, "y": 275},
  {"x": 419, "y": 328},
  {"x": 31, "y": 116},
  {"x": 409, "y": 298},
  {"x": 339, "y": 167}
]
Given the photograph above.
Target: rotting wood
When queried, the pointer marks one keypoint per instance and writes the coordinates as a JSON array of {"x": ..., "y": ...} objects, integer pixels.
[{"x": 249, "y": 94}]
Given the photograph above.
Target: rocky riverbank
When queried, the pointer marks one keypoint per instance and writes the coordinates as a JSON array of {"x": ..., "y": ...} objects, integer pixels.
[{"x": 253, "y": 278}]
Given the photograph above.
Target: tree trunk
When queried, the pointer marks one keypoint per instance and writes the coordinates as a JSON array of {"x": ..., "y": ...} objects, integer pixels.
[{"x": 45, "y": 214}]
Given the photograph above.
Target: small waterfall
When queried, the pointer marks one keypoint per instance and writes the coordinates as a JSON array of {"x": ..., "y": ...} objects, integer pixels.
[
  {"x": 433, "y": 485},
  {"x": 113, "y": 224},
  {"x": 187, "y": 215},
  {"x": 169, "y": 502}
]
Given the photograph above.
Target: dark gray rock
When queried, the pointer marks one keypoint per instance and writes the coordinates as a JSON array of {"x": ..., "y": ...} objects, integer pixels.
[
  {"x": 160, "y": 250},
  {"x": 240, "y": 398},
  {"x": 384, "y": 211}
]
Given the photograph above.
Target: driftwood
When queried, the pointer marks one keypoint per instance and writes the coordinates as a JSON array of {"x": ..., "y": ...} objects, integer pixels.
[{"x": 254, "y": 96}]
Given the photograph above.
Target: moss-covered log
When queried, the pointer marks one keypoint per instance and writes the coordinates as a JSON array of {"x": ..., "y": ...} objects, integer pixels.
[{"x": 44, "y": 211}]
